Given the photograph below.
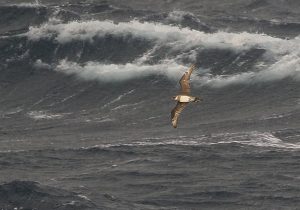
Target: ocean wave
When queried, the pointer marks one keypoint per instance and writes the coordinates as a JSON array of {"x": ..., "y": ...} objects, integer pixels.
[
  {"x": 257, "y": 139},
  {"x": 282, "y": 55},
  {"x": 113, "y": 72},
  {"x": 287, "y": 67},
  {"x": 174, "y": 36}
]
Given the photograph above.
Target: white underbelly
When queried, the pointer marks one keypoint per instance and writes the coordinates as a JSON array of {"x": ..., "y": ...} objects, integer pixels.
[{"x": 184, "y": 99}]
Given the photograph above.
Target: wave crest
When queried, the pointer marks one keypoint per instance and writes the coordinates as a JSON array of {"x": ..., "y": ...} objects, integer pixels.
[
  {"x": 175, "y": 45},
  {"x": 174, "y": 36},
  {"x": 114, "y": 72}
]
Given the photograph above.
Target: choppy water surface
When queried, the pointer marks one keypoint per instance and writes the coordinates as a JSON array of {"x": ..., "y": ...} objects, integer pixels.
[{"x": 85, "y": 104}]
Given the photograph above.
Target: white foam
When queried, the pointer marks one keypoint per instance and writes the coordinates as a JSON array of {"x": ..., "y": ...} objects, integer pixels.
[
  {"x": 11, "y": 151},
  {"x": 30, "y": 5},
  {"x": 39, "y": 64},
  {"x": 39, "y": 115},
  {"x": 178, "y": 16},
  {"x": 254, "y": 138},
  {"x": 101, "y": 120},
  {"x": 274, "y": 116},
  {"x": 287, "y": 67},
  {"x": 114, "y": 72},
  {"x": 165, "y": 34},
  {"x": 269, "y": 140},
  {"x": 84, "y": 197},
  {"x": 183, "y": 41}
]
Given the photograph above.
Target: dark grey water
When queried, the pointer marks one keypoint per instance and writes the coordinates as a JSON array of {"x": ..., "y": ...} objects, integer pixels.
[{"x": 85, "y": 105}]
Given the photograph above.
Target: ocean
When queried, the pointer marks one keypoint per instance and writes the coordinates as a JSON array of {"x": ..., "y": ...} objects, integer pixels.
[{"x": 86, "y": 92}]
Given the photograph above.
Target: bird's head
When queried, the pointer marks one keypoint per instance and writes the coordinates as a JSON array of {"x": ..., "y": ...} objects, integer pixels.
[
  {"x": 198, "y": 99},
  {"x": 174, "y": 98}
]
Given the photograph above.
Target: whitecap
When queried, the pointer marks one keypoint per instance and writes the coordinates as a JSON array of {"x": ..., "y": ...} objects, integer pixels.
[
  {"x": 284, "y": 54},
  {"x": 40, "y": 115}
]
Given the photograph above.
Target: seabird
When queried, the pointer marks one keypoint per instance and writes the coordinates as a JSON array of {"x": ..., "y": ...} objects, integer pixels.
[{"x": 184, "y": 96}]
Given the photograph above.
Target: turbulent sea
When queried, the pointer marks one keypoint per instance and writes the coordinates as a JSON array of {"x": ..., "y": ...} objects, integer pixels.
[{"x": 85, "y": 104}]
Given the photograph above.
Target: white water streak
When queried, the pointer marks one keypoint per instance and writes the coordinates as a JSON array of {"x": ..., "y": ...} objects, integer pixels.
[
  {"x": 41, "y": 115},
  {"x": 254, "y": 138}
]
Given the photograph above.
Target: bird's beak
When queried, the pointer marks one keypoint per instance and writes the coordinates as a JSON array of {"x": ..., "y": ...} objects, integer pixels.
[{"x": 199, "y": 100}]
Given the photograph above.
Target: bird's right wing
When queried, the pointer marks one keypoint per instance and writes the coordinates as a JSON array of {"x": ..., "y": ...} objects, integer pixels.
[
  {"x": 176, "y": 112},
  {"x": 185, "y": 81}
]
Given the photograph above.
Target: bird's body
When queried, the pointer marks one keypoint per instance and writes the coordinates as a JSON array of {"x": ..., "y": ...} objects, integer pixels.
[{"x": 184, "y": 97}]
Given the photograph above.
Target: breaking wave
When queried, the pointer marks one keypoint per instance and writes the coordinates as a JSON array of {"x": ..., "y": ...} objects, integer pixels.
[
  {"x": 173, "y": 36},
  {"x": 287, "y": 67},
  {"x": 175, "y": 46},
  {"x": 113, "y": 72}
]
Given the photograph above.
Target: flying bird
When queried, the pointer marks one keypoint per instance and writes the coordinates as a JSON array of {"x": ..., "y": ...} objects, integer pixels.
[{"x": 184, "y": 96}]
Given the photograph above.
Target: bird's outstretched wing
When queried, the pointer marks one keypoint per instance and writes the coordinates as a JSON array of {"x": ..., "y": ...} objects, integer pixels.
[
  {"x": 176, "y": 112},
  {"x": 185, "y": 81}
]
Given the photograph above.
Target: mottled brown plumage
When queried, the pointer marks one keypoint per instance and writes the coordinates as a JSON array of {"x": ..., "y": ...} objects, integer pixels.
[
  {"x": 185, "y": 81},
  {"x": 184, "y": 97},
  {"x": 176, "y": 112}
]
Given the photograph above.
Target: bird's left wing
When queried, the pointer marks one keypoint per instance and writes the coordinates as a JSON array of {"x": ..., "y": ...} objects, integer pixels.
[
  {"x": 176, "y": 112},
  {"x": 185, "y": 81}
]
